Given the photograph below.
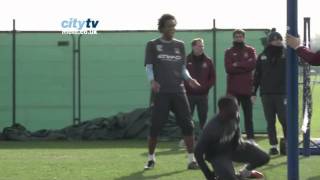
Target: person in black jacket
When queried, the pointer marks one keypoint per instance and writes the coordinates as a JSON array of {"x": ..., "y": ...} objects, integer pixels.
[
  {"x": 221, "y": 143},
  {"x": 270, "y": 76}
]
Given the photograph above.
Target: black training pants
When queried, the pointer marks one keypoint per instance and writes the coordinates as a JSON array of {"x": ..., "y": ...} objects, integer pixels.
[
  {"x": 179, "y": 105},
  {"x": 246, "y": 104},
  {"x": 275, "y": 106},
  {"x": 201, "y": 103},
  {"x": 245, "y": 153}
]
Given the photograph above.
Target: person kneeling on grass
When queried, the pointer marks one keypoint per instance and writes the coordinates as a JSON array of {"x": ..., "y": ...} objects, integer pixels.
[{"x": 220, "y": 144}]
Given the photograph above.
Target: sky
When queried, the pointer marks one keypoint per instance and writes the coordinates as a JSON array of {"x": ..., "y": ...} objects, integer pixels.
[{"x": 143, "y": 14}]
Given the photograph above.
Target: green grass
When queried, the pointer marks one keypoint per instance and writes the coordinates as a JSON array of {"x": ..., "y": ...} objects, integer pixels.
[
  {"x": 124, "y": 160},
  {"x": 315, "y": 123},
  {"x": 116, "y": 160}
]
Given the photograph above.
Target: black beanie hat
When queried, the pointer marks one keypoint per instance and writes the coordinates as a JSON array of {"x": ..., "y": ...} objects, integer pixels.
[{"x": 274, "y": 35}]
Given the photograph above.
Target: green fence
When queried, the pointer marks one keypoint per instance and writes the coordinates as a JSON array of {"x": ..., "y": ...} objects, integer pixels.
[{"x": 112, "y": 74}]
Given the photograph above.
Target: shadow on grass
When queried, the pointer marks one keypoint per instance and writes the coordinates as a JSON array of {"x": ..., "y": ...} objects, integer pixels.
[
  {"x": 171, "y": 146},
  {"x": 102, "y": 144},
  {"x": 259, "y": 138},
  {"x": 174, "y": 149},
  {"x": 314, "y": 178},
  {"x": 277, "y": 157},
  {"x": 140, "y": 175},
  {"x": 272, "y": 166}
]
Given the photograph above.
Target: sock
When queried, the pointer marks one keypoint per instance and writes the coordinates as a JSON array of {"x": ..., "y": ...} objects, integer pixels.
[
  {"x": 182, "y": 143},
  {"x": 274, "y": 146},
  {"x": 244, "y": 172},
  {"x": 151, "y": 157},
  {"x": 191, "y": 157}
]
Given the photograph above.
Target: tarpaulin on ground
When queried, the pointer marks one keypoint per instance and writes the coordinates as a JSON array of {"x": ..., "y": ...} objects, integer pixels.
[{"x": 130, "y": 125}]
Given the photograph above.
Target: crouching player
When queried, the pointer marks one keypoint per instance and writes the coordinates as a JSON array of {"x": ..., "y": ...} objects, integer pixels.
[{"x": 220, "y": 144}]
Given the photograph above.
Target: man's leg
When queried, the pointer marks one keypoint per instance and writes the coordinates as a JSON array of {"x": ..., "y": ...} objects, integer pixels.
[
  {"x": 151, "y": 99},
  {"x": 281, "y": 105},
  {"x": 270, "y": 116},
  {"x": 223, "y": 167},
  {"x": 253, "y": 156},
  {"x": 192, "y": 103},
  {"x": 245, "y": 102},
  {"x": 202, "y": 108},
  {"x": 181, "y": 109},
  {"x": 160, "y": 113},
  {"x": 247, "y": 112}
]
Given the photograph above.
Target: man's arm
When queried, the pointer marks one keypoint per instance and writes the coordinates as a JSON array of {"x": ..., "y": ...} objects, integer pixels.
[
  {"x": 185, "y": 73},
  {"x": 250, "y": 63},
  {"x": 148, "y": 62},
  {"x": 308, "y": 56},
  {"x": 303, "y": 52},
  {"x": 212, "y": 76},
  {"x": 231, "y": 66},
  {"x": 256, "y": 77},
  {"x": 237, "y": 140},
  {"x": 199, "y": 155},
  {"x": 149, "y": 71},
  {"x": 149, "y": 54},
  {"x": 155, "y": 86},
  {"x": 186, "y": 76}
]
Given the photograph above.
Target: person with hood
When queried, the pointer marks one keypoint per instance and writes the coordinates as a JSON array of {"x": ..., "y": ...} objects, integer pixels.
[
  {"x": 270, "y": 77},
  {"x": 240, "y": 62}
]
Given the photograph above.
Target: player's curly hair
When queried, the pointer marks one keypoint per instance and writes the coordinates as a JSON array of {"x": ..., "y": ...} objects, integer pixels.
[{"x": 163, "y": 19}]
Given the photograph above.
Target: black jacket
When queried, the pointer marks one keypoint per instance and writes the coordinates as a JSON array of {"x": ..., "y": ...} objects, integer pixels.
[
  {"x": 218, "y": 137},
  {"x": 270, "y": 73}
]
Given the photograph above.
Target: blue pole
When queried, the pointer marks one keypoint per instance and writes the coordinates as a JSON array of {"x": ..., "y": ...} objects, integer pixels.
[{"x": 292, "y": 92}]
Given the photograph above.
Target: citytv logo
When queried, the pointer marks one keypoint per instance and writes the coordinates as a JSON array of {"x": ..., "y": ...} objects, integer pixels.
[{"x": 75, "y": 26}]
